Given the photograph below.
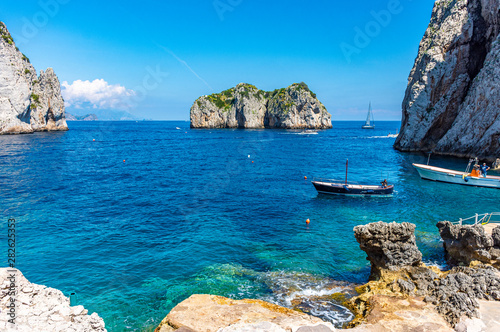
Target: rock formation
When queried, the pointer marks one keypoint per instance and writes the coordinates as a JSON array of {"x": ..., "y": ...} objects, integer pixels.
[
  {"x": 39, "y": 308},
  {"x": 245, "y": 106},
  {"x": 87, "y": 117},
  {"x": 27, "y": 103},
  {"x": 388, "y": 246},
  {"x": 207, "y": 313},
  {"x": 397, "y": 272},
  {"x": 452, "y": 102},
  {"x": 467, "y": 243}
]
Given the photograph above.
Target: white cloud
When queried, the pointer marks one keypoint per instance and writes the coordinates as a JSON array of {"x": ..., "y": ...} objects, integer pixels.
[{"x": 97, "y": 94}]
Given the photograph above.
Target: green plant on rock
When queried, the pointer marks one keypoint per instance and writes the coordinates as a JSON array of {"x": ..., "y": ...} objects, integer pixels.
[
  {"x": 25, "y": 58},
  {"x": 35, "y": 98},
  {"x": 27, "y": 71},
  {"x": 8, "y": 39},
  {"x": 303, "y": 86}
]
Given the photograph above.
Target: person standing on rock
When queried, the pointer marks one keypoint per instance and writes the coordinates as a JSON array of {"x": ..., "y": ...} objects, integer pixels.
[{"x": 484, "y": 169}]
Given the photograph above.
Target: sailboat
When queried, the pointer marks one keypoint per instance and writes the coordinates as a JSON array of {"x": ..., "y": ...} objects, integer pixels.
[{"x": 369, "y": 119}]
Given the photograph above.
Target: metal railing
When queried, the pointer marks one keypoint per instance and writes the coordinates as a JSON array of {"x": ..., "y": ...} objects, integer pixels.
[{"x": 482, "y": 219}]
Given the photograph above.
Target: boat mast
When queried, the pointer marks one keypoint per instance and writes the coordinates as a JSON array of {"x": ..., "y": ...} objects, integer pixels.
[
  {"x": 346, "y": 167},
  {"x": 371, "y": 111}
]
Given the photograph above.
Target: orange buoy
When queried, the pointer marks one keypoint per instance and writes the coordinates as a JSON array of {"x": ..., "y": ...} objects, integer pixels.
[
  {"x": 123, "y": 160},
  {"x": 252, "y": 161},
  {"x": 93, "y": 140},
  {"x": 308, "y": 221},
  {"x": 305, "y": 177}
]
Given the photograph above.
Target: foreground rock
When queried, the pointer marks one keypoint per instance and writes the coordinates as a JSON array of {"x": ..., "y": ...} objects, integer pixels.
[
  {"x": 388, "y": 246},
  {"x": 399, "y": 314},
  {"x": 398, "y": 273},
  {"x": 452, "y": 102},
  {"x": 27, "y": 103},
  {"x": 39, "y": 308},
  {"x": 467, "y": 243},
  {"x": 245, "y": 106},
  {"x": 211, "y": 313}
]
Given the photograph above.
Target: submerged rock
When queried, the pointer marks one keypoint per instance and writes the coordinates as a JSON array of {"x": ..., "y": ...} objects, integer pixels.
[
  {"x": 245, "y": 106},
  {"x": 452, "y": 102},
  {"x": 39, "y": 308},
  {"x": 27, "y": 103}
]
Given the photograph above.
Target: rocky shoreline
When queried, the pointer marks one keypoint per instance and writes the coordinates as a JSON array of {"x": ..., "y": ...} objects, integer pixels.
[
  {"x": 402, "y": 293},
  {"x": 40, "y": 308}
]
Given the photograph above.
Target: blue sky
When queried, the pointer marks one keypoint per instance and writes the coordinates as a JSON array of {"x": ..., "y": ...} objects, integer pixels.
[{"x": 155, "y": 58}]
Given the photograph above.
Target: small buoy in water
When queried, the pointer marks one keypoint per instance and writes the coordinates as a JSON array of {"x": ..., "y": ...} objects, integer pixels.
[
  {"x": 123, "y": 160},
  {"x": 252, "y": 161},
  {"x": 248, "y": 156},
  {"x": 308, "y": 221},
  {"x": 305, "y": 177},
  {"x": 93, "y": 140}
]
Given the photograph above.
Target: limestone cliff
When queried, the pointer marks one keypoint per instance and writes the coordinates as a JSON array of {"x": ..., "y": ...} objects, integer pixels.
[
  {"x": 452, "y": 102},
  {"x": 27, "y": 103},
  {"x": 245, "y": 106}
]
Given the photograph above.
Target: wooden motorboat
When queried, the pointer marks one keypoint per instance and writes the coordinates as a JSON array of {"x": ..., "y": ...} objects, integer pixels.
[
  {"x": 333, "y": 187},
  {"x": 337, "y": 188}
]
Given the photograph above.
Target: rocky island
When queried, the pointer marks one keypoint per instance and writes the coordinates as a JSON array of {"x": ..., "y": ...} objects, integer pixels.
[
  {"x": 87, "y": 117},
  {"x": 28, "y": 102},
  {"x": 452, "y": 102},
  {"x": 245, "y": 106}
]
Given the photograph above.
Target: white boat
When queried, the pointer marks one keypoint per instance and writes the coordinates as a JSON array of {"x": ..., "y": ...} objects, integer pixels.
[
  {"x": 451, "y": 176},
  {"x": 369, "y": 119},
  {"x": 394, "y": 135}
]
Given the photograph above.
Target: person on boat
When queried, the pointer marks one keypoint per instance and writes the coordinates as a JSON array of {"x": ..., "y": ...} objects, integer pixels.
[
  {"x": 496, "y": 164},
  {"x": 484, "y": 169},
  {"x": 384, "y": 183},
  {"x": 475, "y": 171}
]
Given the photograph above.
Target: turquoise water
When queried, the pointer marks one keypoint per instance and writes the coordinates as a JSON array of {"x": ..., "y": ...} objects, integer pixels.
[{"x": 209, "y": 211}]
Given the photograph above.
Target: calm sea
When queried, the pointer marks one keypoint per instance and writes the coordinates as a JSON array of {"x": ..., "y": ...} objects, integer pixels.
[{"x": 137, "y": 216}]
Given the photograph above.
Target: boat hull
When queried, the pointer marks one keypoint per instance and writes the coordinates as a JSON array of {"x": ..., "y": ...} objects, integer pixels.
[
  {"x": 368, "y": 127},
  {"x": 330, "y": 188},
  {"x": 450, "y": 176}
]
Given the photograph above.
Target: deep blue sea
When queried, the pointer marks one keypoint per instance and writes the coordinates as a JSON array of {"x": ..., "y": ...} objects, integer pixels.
[{"x": 137, "y": 216}]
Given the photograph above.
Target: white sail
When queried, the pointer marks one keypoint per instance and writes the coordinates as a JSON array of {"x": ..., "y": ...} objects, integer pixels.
[{"x": 369, "y": 119}]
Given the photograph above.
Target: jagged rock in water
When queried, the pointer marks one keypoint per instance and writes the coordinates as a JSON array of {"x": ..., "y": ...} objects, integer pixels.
[
  {"x": 27, "y": 103},
  {"x": 452, "y": 102},
  {"x": 245, "y": 106},
  {"x": 467, "y": 243},
  {"x": 388, "y": 245}
]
